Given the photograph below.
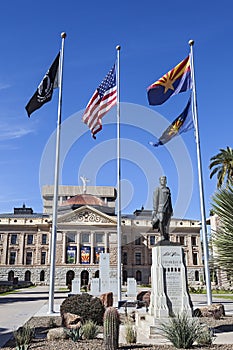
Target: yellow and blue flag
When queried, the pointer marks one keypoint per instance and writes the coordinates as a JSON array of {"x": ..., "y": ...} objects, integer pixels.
[
  {"x": 172, "y": 83},
  {"x": 183, "y": 123}
]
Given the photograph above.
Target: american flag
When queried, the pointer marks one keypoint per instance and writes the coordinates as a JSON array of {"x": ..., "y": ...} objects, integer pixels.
[{"x": 103, "y": 99}]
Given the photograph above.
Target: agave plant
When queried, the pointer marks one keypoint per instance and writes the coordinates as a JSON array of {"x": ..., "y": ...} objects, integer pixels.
[{"x": 182, "y": 331}]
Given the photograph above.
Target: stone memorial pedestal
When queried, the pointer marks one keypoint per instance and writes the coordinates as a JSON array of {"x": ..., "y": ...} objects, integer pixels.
[
  {"x": 75, "y": 289},
  {"x": 95, "y": 286},
  {"x": 131, "y": 287},
  {"x": 169, "y": 294},
  {"x": 104, "y": 266}
]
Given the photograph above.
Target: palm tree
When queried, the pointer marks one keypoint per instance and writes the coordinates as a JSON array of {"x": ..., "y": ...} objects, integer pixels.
[
  {"x": 223, "y": 237},
  {"x": 222, "y": 164}
]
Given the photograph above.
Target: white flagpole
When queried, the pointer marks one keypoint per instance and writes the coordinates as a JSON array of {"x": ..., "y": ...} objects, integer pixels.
[
  {"x": 56, "y": 179},
  {"x": 118, "y": 179},
  {"x": 201, "y": 188}
]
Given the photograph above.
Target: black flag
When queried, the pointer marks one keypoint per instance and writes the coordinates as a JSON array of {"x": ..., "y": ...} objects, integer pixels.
[{"x": 44, "y": 91}]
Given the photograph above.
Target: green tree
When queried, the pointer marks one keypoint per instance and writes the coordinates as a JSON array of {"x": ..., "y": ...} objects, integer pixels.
[
  {"x": 222, "y": 165},
  {"x": 223, "y": 237}
]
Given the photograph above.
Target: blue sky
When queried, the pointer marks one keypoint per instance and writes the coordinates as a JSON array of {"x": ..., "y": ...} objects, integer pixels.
[{"x": 154, "y": 38}]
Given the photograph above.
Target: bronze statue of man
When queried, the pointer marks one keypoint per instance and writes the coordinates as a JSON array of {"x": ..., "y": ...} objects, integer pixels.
[{"x": 162, "y": 208}]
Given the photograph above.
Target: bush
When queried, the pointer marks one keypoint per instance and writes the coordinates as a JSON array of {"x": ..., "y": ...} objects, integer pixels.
[
  {"x": 85, "y": 306},
  {"x": 182, "y": 331},
  {"x": 205, "y": 337},
  {"x": 89, "y": 330},
  {"x": 23, "y": 336}
]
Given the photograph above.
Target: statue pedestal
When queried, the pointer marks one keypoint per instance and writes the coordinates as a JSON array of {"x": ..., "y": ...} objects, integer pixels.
[{"x": 169, "y": 295}]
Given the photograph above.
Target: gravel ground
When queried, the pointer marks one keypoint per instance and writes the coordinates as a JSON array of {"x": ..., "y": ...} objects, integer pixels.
[{"x": 43, "y": 324}]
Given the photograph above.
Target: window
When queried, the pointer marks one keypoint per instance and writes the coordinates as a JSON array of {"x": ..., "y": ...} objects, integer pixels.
[
  {"x": 99, "y": 237},
  {"x": 182, "y": 240},
  {"x": 42, "y": 276},
  {"x": 29, "y": 258},
  {"x": 11, "y": 276},
  {"x": 138, "y": 241},
  {"x": 195, "y": 259},
  {"x": 152, "y": 240},
  {"x": 138, "y": 258},
  {"x": 12, "y": 258},
  {"x": 138, "y": 276},
  {"x": 71, "y": 237},
  {"x": 14, "y": 239},
  {"x": 194, "y": 240},
  {"x": 27, "y": 276},
  {"x": 85, "y": 238},
  {"x": 125, "y": 258},
  {"x": 197, "y": 276},
  {"x": 30, "y": 239},
  {"x": 43, "y": 258},
  {"x": 44, "y": 238},
  {"x": 125, "y": 275}
]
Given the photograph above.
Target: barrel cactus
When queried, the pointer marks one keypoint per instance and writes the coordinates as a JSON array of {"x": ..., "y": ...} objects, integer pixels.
[{"x": 111, "y": 328}]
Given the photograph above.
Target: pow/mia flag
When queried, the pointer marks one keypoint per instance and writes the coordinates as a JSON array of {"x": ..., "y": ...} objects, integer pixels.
[{"x": 44, "y": 91}]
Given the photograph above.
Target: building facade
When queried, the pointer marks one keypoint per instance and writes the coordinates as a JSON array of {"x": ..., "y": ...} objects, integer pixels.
[{"x": 87, "y": 226}]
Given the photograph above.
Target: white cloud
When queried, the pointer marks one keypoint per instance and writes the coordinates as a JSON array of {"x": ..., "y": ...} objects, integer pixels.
[
  {"x": 4, "y": 86},
  {"x": 11, "y": 132}
]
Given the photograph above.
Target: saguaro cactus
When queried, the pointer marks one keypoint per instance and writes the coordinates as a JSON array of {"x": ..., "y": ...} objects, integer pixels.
[{"x": 111, "y": 328}]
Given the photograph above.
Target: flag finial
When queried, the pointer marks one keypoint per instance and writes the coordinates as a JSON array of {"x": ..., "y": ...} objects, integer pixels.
[
  {"x": 63, "y": 35},
  {"x": 118, "y": 47},
  {"x": 191, "y": 42}
]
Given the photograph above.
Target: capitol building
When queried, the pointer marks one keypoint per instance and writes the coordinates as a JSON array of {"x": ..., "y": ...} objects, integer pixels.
[{"x": 86, "y": 227}]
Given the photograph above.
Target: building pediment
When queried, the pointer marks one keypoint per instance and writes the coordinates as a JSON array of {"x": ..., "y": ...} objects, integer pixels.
[{"x": 86, "y": 215}]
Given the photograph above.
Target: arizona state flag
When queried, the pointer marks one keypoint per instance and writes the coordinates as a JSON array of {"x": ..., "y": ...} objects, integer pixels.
[
  {"x": 44, "y": 91},
  {"x": 183, "y": 123},
  {"x": 175, "y": 81}
]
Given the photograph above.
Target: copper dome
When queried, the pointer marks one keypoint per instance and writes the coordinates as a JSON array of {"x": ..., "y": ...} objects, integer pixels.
[{"x": 84, "y": 199}]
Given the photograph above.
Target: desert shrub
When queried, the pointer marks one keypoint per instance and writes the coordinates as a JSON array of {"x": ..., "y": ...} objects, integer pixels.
[
  {"x": 130, "y": 333},
  {"x": 182, "y": 330},
  {"x": 23, "y": 337},
  {"x": 89, "y": 330},
  {"x": 85, "y": 306},
  {"x": 205, "y": 336}
]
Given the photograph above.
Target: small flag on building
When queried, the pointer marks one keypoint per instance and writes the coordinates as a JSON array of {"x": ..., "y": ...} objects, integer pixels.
[
  {"x": 172, "y": 83},
  {"x": 44, "y": 91},
  {"x": 103, "y": 99},
  {"x": 183, "y": 123}
]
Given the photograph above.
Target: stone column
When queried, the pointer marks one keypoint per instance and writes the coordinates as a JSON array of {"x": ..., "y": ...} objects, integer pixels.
[
  {"x": 92, "y": 247},
  {"x": 106, "y": 242},
  {"x": 64, "y": 248},
  {"x": 78, "y": 247},
  {"x": 21, "y": 250},
  {"x": 5, "y": 248}
]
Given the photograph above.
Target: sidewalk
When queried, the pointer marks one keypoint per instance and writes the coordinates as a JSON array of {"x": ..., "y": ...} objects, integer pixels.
[{"x": 17, "y": 308}]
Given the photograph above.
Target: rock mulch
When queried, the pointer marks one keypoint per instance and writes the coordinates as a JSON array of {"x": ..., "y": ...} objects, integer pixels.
[{"x": 43, "y": 324}]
